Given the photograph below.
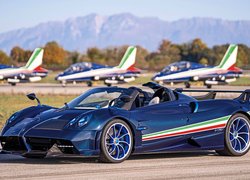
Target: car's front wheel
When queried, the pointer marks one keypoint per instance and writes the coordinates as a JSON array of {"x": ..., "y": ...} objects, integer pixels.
[
  {"x": 237, "y": 132},
  {"x": 116, "y": 142}
]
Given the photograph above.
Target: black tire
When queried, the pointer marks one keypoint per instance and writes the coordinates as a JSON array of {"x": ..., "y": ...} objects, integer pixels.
[
  {"x": 209, "y": 86},
  {"x": 104, "y": 154},
  {"x": 228, "y": 149},
  {"x": 13, "y": 84},
  {"x": 107, "y": 84},
  {"x": 89, "y": 84},
  {"x": 187, "y": 85}
]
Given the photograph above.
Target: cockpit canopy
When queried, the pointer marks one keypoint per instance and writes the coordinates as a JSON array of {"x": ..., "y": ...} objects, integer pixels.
[
  {"x": 182, "y": 65},
  {"x": 83, "y": 66}
]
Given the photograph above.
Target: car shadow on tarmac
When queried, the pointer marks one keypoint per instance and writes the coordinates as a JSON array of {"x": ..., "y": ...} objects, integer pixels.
[{"x": 62, "y": 159}]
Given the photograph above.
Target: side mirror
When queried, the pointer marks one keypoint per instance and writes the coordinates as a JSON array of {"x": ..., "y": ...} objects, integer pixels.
[
  {"x": 125, "y": 98},
  {"x": 32, "y": 96}
]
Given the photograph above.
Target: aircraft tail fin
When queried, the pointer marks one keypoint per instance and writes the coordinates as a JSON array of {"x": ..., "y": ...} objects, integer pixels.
[
  {"x": 229, "y": 58},
  {"x": 35, "y": 59},
  {"x": 128, "y": 59}
]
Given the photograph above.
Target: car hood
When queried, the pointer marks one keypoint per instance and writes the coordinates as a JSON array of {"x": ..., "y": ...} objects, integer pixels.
[{"x": 51, "y": 119}]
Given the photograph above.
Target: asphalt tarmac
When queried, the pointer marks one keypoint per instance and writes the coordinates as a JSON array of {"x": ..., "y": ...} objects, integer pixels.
[
  {"x": 78, "y": 89},
  {"x": 189, "y": 165}
]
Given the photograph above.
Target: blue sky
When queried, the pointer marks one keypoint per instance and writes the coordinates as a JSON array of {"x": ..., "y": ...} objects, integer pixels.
[{"x": 25, "y": 13}]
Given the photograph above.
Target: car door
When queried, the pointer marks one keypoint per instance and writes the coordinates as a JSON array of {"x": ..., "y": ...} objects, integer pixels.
[
  {"x": 158, "y": 124},
  {"x": 206, "y": 124}
]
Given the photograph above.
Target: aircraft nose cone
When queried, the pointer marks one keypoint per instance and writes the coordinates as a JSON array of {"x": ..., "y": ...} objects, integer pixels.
[
  {"x": 58, "y": 78},
  {"x": 155, "y": 78}
]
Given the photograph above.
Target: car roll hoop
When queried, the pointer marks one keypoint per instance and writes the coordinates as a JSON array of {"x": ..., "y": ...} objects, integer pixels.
[{"x": 165, "y": 94}]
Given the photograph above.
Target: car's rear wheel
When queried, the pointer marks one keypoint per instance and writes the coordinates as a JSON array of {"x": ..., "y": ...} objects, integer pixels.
[
  {"x": 237, "y": 132},
  {"x": 116, "y": 142}
]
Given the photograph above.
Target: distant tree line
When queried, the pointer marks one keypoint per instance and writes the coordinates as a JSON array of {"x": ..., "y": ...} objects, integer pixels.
[{"x": 56, "y": 57}]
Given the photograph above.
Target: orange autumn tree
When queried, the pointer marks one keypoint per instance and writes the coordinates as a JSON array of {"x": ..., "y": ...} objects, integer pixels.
[{"x": 54, "y": 54}]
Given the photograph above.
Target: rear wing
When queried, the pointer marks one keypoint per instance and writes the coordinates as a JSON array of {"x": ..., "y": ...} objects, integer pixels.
[{"x": 211, "y": 94}]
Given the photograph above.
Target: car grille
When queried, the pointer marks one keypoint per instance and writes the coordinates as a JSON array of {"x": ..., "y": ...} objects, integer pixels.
[
  {"x": 40, "y": 144},
  {"x": 16, "y": 144},
  {"x": 13, "y": 143}
]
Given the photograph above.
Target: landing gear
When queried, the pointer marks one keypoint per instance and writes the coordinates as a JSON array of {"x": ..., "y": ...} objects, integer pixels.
[
  {"x": 13, "y": 84},
  {"x": 89, "y": 83},
  {"x": 209, "y": 86},
  {"x": 187, "y": 85},
  {"x": 64, "y": 83},
  {"x": 107, "y": 84}
]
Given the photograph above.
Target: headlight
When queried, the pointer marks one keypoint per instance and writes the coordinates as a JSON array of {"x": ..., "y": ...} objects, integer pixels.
[
  {"x": 80, "y": 121},
  {"x": 72, "y": 122},
  {"x": 84, "y": 120}
]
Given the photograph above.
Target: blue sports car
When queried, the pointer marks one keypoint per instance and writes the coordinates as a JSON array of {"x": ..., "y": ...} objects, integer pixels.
[{"x": 115, "y": 122}]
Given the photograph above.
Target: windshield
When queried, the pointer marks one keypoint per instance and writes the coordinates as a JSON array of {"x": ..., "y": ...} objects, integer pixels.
[{"x": 98, "y": 98}]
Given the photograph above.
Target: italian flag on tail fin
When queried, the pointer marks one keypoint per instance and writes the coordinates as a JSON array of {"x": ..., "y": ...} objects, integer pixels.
[
  {"x": 229, "y": 58},
  {"x": 35, "y": 59},
  {"x": 128, "y": 59}
]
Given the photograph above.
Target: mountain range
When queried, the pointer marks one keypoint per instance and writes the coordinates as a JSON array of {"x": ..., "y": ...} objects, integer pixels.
[{"x": 79, "y": 33}]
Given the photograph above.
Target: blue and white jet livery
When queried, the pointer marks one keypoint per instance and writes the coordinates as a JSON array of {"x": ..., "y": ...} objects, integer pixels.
[
  {"x": 31, "y": 72},
  {"x": 88, "y": 72},
  {"x": 185, "y": 71}
]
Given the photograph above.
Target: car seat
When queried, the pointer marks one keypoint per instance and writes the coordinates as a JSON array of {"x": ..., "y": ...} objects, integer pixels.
[{"x": 155, "y": 100}]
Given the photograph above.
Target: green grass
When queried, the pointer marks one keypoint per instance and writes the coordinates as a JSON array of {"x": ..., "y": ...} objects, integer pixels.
[
  {"x": 243, "y": 81},
  {"x": 10, "y": 103},
  {"x": 50, "y": 78},
  {"x": 142, "y": 79}
]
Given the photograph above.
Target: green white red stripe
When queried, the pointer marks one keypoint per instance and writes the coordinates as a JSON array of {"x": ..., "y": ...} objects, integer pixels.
[{"x": 217, "y": 123}]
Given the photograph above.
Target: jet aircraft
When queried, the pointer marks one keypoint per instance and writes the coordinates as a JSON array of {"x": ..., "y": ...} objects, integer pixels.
[
  {"x": 31, "y": 72},
  {"x": 88, "y": 72},
  {"x": 186, "y": 72}
]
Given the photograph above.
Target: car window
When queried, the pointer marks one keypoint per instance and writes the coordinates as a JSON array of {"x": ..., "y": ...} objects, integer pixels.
[{"x": 98, "y": 100}]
